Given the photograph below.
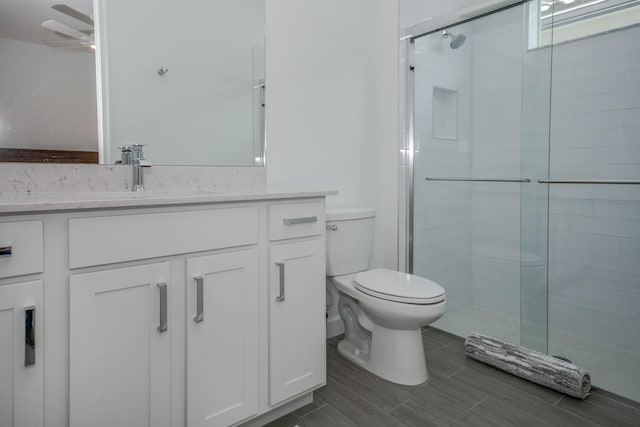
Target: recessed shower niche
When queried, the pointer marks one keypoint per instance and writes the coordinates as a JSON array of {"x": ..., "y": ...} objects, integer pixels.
[{"x": 445, "y": 113}]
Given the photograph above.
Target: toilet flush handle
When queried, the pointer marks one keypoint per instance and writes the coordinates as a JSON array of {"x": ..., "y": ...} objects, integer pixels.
[{"x": 332, "y": 227}]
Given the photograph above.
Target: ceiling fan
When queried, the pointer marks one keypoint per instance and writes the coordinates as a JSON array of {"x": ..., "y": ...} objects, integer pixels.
[{"x": 75, "y": 38}]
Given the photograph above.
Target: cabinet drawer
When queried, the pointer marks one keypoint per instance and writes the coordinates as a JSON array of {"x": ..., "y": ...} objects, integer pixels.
[
  {"x": 119, "y": 238},
  {"x": 288, "y": 221},
  {"x": 21, "y": 248}
]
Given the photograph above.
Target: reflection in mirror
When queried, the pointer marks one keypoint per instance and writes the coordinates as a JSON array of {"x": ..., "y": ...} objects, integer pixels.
[
  {"x": 47, "y": 82},
  {"x": 184, "y": 78}
]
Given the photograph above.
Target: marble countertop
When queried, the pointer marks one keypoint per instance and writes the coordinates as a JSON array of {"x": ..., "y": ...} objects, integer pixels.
[{"x": 25, "y": 202}]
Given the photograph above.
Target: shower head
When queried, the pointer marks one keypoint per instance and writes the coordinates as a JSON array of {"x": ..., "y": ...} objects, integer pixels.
[{"x": 456, "y": 41}]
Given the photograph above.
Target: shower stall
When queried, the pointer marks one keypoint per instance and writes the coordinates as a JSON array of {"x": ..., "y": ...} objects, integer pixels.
[{"x": 522, "y": 164}]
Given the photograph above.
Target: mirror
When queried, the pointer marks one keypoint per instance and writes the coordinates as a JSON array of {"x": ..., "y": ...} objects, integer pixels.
[
  {"x": 47, "y": 84},
  {"x": 185, "y": 78}
]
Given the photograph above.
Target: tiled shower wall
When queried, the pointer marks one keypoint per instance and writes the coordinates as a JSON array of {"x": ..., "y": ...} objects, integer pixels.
[
  {"x": 594, "y": 238},
  {"x": 469, "y": 237}
]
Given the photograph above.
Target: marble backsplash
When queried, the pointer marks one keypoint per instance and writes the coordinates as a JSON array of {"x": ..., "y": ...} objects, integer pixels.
[{"x": 46, "y": 178}]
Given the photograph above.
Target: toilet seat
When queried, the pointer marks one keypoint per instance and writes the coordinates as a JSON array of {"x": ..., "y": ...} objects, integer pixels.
[{"x": 398, "y": 287}]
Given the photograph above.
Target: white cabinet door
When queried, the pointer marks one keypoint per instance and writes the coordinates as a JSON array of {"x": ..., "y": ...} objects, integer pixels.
[
  {"x": 119, "y": 353},
  {"x": 21, "y": 374},
  {"x": 296, "y": 319},
  {"x": 222, "y": 338}
]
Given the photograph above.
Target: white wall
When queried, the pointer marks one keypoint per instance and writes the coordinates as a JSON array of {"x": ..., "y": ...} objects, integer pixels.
[
  {"x": 332, "y": 105},
  {"x": 47, "y": 97}
]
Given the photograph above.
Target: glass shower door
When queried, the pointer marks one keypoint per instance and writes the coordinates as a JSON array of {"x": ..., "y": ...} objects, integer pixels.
[
  {"x": 594, "y": 206},
  {"x": 526, "y": 180},
  {"x": 480, "y": 108}
]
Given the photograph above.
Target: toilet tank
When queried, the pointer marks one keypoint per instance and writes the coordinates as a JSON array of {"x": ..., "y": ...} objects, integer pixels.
[{"x": 349, "y": 239}]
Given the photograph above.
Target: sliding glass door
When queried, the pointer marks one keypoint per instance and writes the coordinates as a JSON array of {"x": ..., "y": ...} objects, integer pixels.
[
  {"x": 594, "y": 196},
  {"x": 525, "y": 203},
  {"x": 480, "y": 110}
]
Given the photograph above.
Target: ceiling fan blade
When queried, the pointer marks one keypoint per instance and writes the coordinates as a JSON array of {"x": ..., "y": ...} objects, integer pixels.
[
  {"x": 65, "y": 29},
  {"x": 63, "y": 8},
  {"x": 75, "y": 45}
]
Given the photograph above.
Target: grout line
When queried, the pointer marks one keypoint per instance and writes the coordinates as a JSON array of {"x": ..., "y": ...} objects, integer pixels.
[
  {"x": 314, "y": 410},
  {"x": 580, "y": 416},
  {"x": 558, "y": 401},
  {"x": 612, "y": 399},
  {"x": 396, "y": 407},
  {"x": 480, "y": 402},
  {"x": 454, "y": 373}
]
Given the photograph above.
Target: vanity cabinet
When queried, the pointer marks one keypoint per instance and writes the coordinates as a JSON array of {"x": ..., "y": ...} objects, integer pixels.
[
  {"x": 119, "y": 347},
  {"x": 222, "y": 338},
  {"x": 202, "y": 314},
  {"x": 296, "y": 320},
  {"x": 21, "y": 373}
]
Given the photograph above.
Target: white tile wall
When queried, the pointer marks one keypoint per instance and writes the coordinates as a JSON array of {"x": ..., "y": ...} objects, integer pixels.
[{"x": 592, "y": 131}]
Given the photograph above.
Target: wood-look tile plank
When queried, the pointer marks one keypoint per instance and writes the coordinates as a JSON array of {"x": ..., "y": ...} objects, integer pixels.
[
  {"x": 354, "y": 407},
  {"x": 443, "y": 337},
  {"x": 316, "y": 404},
  {"x": 382, "y": 394},
  {"x": 612, "y": 415},
  {"x": 521, "y": 384},
  {"x": 288, "y": 420},
  {"x": 332, "y": 354},
  {"x": 457, "y": 391},
  {"x": 440, "y": 363},
  {"x": 605, "y": 398},
  {"x": 517, "y": 399},
  {"x": 433, "y": 342},
  {"x": 460, "y": 392},
  {"x": 415, "y": 415},
  {"x": 501, "y": 414},
  {"x": 438, "y": 405},
  {"x": 326, "y": 417}
]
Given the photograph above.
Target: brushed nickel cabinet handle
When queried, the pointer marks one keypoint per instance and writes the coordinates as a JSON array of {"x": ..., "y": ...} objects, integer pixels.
[
  {"x": 162, "y": 327},
  {"x": 29, "y": 335},
  {"x": 199, "y": 317},
  {"x": 301, "y": 220},
  {"x": 280, "y": 265}
]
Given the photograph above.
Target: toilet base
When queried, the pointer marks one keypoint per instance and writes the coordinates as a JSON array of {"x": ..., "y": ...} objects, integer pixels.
[{"x": 396, "y": 355}]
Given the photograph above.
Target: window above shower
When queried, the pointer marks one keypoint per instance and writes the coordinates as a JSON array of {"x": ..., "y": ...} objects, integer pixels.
[{"x": 557, "y": 21}]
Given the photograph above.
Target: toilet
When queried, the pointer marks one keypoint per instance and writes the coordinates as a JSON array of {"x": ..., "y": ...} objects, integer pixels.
[{"x": 383, "y": 310}]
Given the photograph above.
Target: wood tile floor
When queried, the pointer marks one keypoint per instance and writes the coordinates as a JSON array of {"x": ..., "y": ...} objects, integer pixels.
[{"x": 460, "y": 392}]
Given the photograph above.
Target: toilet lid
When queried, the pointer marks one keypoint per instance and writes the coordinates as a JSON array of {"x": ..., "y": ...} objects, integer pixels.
[{"x": 397, "y": 286}]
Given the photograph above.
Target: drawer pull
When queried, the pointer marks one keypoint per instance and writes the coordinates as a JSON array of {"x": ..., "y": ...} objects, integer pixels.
[
  {"x": 199, "y": 317},
  {"x": 29, "y": 336},
  {"x": 5, "y": 249},
  {"x": 280, "y": 265},
  {"x": 162, "y": 327},
  {"x": 301, "y": 220}
]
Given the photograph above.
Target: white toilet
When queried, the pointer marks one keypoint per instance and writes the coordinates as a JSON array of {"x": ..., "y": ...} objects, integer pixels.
[{"x": 382, "y": 310}]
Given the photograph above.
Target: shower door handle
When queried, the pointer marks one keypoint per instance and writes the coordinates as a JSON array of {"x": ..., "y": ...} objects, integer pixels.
[{"x": 590, "y": 181}]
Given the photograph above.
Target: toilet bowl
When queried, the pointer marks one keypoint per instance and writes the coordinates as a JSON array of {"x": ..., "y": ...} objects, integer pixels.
[{"x": 383, "y": 310}]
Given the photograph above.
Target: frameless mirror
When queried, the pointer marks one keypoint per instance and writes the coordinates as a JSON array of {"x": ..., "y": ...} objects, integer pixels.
[{"x": 184, "y": 78}]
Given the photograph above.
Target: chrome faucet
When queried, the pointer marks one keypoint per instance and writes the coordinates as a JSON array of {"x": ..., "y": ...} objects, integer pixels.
[{"x": 139, "y": 162}]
